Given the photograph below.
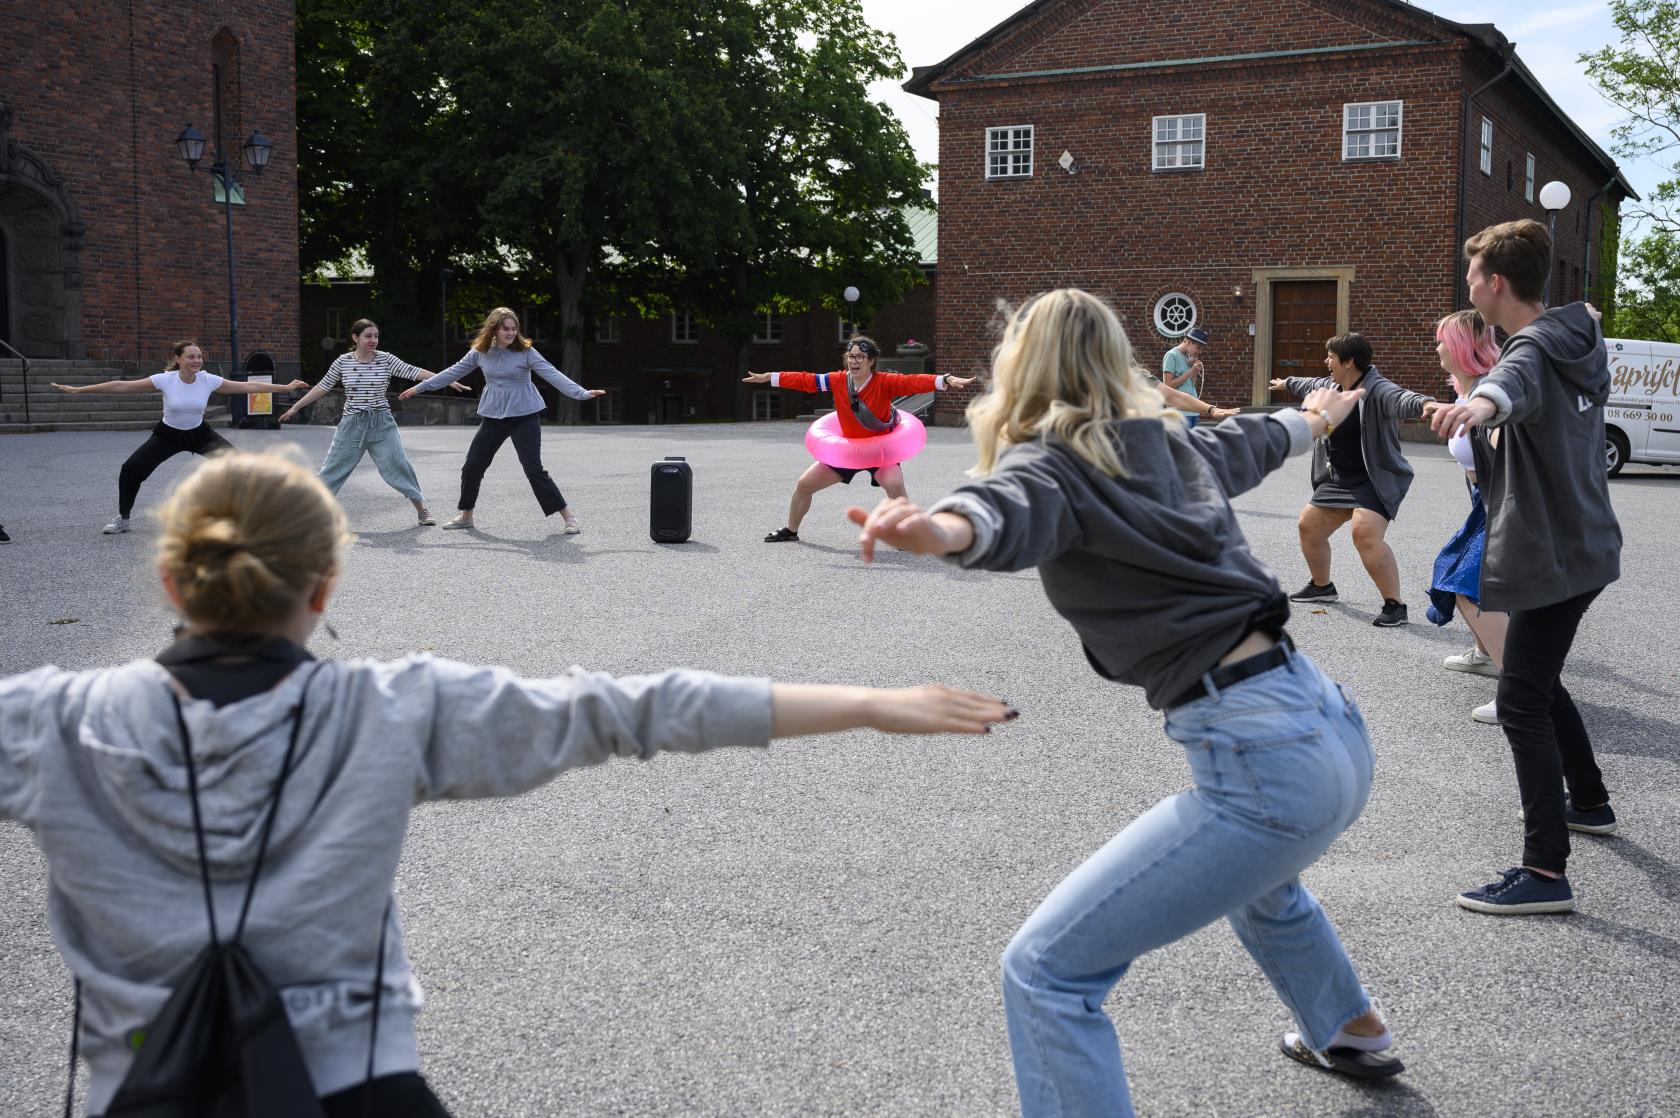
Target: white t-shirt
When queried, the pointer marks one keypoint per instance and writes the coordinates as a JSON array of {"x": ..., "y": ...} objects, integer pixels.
[
  {"x": 184, "y": 404},
  {"x": 1459, "y": 446}
]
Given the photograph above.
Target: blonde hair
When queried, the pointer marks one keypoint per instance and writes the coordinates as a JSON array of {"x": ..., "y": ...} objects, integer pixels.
[
  {"x": 246, "y": 537},
  {"x": 493, "y": 322},
  {"x": 1064, "y": 368}
]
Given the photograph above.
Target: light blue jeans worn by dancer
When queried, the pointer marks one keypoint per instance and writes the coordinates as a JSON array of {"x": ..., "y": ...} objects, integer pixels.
[
  {"x": 375, "y": 432},
  {"x": 1282, "y": 765}
]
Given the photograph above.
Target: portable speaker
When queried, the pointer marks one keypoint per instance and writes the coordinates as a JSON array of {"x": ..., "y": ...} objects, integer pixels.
[{"x": 671, "y": 501}]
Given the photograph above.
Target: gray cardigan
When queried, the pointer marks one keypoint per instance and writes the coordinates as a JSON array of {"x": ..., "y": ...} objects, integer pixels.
[{"x": 1380, "y": 412}]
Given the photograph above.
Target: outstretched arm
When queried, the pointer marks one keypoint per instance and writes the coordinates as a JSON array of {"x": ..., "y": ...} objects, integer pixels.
[
  {"x": 257, "y": 387},
  {"x": 308, "y": 398},
  {"x": 798, "y": 382},
  {"x": 449, "y": 376},
  {"x": 1299, "y": 386},
  {"x": 144, "y": 384},
  {"x": 566, "y": 385}
]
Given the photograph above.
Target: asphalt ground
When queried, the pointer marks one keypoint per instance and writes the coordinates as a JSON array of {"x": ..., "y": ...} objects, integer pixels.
[{"x": 815, "y": 930}]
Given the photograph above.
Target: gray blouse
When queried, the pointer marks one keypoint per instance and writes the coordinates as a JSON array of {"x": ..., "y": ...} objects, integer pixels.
[{"x": 508, "y": 391}]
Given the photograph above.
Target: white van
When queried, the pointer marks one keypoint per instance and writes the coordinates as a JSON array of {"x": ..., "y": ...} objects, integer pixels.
[{"x": 1642, "y": 418}]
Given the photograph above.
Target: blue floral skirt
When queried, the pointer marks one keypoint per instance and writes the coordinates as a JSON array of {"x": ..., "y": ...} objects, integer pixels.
[{"x": 1458, "y": 569}]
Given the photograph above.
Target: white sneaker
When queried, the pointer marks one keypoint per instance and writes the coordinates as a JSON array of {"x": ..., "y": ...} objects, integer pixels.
[
  {"x": 457, "y": 524},
  {"x": 1487, "y": 713},
  {"x": 572, "y": 526},
  {"x": 117, "y": 526},
  {"x": 1472, "y": 660}
]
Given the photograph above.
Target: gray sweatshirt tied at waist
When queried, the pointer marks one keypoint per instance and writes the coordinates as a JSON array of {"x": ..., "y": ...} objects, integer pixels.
[
  {"x": 1150, "y": 569},
  {"x": 1552, "y": 533},
  {"x": 508, "y": 391},
  {"x": 1384, "y": 405}
]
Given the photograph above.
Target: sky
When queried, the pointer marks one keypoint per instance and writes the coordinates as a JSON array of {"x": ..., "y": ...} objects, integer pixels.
[{"x": 1549, "y": 36}]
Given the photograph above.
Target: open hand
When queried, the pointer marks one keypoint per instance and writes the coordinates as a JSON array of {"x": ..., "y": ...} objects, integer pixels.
[
  {"x": 594, "y": 392},
  {"x": 286, "y": 416},
  {"x": 905, "y": 526},
  {"x": 1279, "y": 384},
  {"x": 1453, "y": 419},
  {"x": 936, "y": 709},
  {"x": 71, "y": 388},
  {"x": 297, "y": 386},
  {"x": 1223, "y": 413},
  {"x": 458, "y": 386},
  {"x": 959, "y": 382},
  {"x": 1334, "y": 403},
  {"x": 756, "y": 378},
  {"x": 407, "y": 392}
]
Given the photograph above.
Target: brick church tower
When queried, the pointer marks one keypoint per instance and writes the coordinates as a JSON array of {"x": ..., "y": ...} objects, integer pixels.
[{"x": 110, "y": 246}]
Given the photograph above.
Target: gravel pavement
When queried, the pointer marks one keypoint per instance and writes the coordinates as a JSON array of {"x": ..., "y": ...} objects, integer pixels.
[{"x": 815, "y": 930}]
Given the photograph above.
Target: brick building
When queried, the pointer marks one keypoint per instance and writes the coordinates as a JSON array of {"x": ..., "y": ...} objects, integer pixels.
[
  {"x": 110, "y": 248},
  {"x": 670, "y": 369},
  {"x": 1275, "y": 173}
]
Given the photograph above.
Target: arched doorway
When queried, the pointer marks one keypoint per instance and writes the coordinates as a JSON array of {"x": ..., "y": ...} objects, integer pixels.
[{"x": 40, "y": 261}]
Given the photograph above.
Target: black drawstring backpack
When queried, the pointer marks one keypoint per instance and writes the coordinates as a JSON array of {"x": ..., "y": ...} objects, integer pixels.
[{"x": 222, "y": 1046}]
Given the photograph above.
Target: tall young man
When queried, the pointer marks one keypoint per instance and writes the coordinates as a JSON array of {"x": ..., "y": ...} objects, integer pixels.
[{"x": 1552, "y": 545}]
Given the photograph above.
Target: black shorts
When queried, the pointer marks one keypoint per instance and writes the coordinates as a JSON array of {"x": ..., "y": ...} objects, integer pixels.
[{"x": 846, "y": 476}]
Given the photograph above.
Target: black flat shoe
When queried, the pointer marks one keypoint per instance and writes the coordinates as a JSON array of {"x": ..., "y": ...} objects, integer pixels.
[
  {"x": 782, "y": 535},
  {"x": 1351, "y": 1062}
]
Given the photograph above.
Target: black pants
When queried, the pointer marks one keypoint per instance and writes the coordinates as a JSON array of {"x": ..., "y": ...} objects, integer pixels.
[
  {"x": 166, "y": 442},
  {"x": 394, "y": 1096},
  {"x": 526, "y": 433},
  {"x": 1548, "y": 740}
]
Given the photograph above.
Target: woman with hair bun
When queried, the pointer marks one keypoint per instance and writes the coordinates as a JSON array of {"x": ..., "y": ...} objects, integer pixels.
[
  {"x": 186, "y": 392},
  {"x": 367, "y": 425},
  {"x": 510, "y": 408},
  {"x": 1084, "y": 474},
  {"x": 100, "y": 766}
]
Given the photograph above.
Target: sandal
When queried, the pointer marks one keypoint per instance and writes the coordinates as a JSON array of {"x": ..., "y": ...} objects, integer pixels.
[
  {"x": 425, "y": 521},
  {"x": 1351, "y": 1062},
  {"x": 782, "y": 535}
]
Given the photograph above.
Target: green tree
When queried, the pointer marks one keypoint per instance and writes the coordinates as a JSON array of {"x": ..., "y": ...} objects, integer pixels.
[{"x": 1648, "y": 297}]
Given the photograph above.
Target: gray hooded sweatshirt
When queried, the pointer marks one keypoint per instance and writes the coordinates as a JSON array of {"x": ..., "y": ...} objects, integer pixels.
[
  {"x": 1552, "y": 534},
  {"x": 1150, "y": 569},
  {"x": 1381, "y": 409},
  {"x": 92, "y": 763}
]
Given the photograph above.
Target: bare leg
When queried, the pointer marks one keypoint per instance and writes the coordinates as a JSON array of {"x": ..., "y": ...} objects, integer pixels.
[
  {"x": 1489, "y": 627},
  {"x": 811, "y": 482},
  {"x": 1368, "y": 532},
  {"x": 892, "y": 480},
  {"x": 1316, "y": 526}
]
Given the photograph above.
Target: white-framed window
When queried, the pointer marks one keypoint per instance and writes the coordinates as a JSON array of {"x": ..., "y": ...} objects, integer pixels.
[
  {"x": 609, "y": 331},
  {"x": 849, "y": 330},
  {"x": 684, "y": 329},
  {"x": 1486, "y": 162},
  {"x": 1528, "y": 178},
  {"x": 767, "y": 405},
  {"x": 1175, "y": 313},
  {"x": 1371, "y": 129},
  {"x": 1179, "y": 142},
  {"x": 1009, "y": 152},
  {"x": 609, "y": 408},
  {"x": 768, "y": 329},
  {"x": 337, "y": 328}
]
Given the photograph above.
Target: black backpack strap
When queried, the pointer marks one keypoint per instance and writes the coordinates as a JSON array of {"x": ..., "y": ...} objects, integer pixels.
[
  {"x": 378, "y": 996},
  {"x": 198, "y": 820},
  {"x": 273, "y": 811}
]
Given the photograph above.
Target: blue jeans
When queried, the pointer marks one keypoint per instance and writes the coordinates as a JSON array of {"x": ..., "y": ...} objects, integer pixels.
[
  {"x": 374, "y": 432},
  {"x": 1282, "y": 765}
]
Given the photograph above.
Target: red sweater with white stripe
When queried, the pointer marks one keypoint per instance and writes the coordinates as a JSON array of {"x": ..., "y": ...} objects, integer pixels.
[{"x": 876, "y": 394}]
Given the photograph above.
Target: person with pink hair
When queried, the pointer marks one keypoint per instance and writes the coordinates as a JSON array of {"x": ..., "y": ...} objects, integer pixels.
[{"x": 1467, "y": 349}]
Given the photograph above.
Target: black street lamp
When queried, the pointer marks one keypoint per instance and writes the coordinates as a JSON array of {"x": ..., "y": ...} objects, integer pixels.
[
  {"x": 258, "y": 150},
  {"x": 1554, "y": 196}
]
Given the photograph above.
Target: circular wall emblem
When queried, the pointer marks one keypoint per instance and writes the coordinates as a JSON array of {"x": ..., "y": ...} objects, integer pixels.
[{"x": 1175, "y": 313}]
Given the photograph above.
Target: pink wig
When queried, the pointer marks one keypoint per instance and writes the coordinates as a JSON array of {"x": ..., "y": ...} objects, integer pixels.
[{"x": 1469, "y": 342}]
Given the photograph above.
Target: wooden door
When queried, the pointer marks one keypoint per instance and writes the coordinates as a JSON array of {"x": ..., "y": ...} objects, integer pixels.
[{"x": 1303, "y": 316}]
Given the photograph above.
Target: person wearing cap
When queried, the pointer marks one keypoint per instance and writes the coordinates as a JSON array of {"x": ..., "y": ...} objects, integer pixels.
[{"x": 1181, "y": 369}]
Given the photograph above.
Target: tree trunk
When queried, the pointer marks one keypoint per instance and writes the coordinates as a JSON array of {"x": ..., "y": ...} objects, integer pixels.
[{"x": 571, "y": 268}]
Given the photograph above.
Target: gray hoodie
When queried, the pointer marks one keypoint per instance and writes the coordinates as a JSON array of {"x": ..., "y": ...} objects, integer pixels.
[
  {"x": 1150, "y": 569},
  {"x": 1552, "y": 534},
  {"x": 1381, "y": 409},
  {"x": 91, "y": 762}
]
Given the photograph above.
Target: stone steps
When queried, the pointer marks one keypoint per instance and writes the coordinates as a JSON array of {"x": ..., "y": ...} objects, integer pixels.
[{"x": 36, "y": 406}]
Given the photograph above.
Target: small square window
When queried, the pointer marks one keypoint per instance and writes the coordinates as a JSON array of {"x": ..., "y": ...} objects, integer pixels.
[
  {"x": 534, "y": 324},
  {"x": 1371, "y": 130},
  {"x": 768, "y": 330},
  {"x": 1528, "y": 179},
  {"x": 850, "y": 330},
  {"x": 767, "y": 405},
  {"x": 1486, "y": 160},
  {"x": 1009, "y": 152},
  {"x": 609, "y": 330},
  {"x": 684, "y": 329},
  {"x": 1179, "y": 142},
  {"x": 609, "y": 408},
  {"x": 336, "y": 324}
]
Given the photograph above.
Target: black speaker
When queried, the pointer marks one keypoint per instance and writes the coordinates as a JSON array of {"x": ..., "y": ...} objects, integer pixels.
[{"x": 671, "y": 501}]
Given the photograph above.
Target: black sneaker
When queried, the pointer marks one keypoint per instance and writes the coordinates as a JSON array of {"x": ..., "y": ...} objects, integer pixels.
[
  {"x": 1520, "y": 893},
  {"x": 1393, "y": 614},
  {"x": 782, "y": 535},
  {"x": 1313, "y": 592},
  {"x": 4, "y": 538}
]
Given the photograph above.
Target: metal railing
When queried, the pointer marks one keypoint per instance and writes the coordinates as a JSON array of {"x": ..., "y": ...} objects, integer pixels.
[{"x": 7, "y": 346}]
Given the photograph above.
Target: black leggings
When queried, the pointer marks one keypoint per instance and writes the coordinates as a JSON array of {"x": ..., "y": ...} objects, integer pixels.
[
  {"x": 394, "y": 1096},
  {"x": 526, "y": 433},
  {"x": 166, "y": 442}
]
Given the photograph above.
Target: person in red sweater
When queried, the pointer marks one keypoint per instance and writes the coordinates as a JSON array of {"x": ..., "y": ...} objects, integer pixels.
[{"x": 863, "y": 400}]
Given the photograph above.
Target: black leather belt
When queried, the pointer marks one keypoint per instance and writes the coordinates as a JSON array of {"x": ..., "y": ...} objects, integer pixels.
[{"x": 1226, "y": 675}]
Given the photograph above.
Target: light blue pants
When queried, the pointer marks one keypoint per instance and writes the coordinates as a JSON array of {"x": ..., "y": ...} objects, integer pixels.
[
  {"x": 1282, "y": 765},
  {"x": 373, "y": 431}
]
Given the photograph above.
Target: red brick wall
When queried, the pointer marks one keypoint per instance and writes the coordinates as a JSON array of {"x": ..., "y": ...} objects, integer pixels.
[{"x": 100, "y": 91}]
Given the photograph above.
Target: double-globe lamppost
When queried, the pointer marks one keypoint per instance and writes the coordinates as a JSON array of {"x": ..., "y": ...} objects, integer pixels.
[
  {"x": 258, "y": 151},
  {"x": 1554, "y": 196}
]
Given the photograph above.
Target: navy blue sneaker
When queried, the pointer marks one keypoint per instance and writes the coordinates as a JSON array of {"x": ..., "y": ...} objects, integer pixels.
[
  {"x": 1599, "y": 820},
  {"x": 1520, "y": 893}
]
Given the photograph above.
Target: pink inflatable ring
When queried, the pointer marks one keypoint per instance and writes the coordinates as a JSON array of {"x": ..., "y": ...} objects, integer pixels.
[{"x": 828, "y": 446}]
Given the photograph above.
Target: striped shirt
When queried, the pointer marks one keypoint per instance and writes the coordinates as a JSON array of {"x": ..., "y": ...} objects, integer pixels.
[{"x": 365, "y": 382}]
